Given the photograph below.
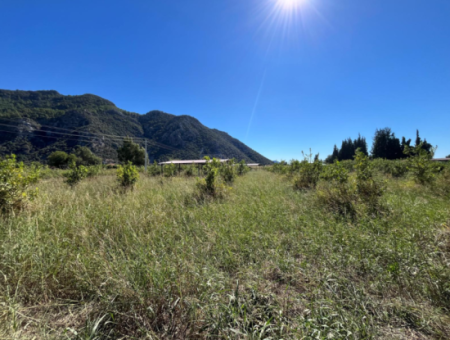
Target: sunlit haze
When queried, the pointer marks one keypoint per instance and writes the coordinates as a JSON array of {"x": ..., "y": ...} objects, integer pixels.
[{"x": 290, "y": 4}]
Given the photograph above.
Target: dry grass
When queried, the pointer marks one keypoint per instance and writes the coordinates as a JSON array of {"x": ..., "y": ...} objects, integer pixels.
[{"x": 94, "y": 262}]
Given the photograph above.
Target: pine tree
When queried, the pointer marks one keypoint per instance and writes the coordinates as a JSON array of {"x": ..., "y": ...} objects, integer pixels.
[
  {"x": 361, "y": 143},
  {"x": 386, "y": 145},
  {"x": 418, "y": 140}
]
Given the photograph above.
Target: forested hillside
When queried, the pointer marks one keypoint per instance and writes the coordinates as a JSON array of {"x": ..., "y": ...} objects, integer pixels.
[{"x": 35, "y": 123}]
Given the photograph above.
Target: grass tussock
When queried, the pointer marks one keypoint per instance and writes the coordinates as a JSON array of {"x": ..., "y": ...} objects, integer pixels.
[{"x": 89, "y": 262}]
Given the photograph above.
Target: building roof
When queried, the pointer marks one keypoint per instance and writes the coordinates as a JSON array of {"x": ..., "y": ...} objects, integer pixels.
[
  {"x": 192, "y": 161},
  {"x": 441, "y": 159}
]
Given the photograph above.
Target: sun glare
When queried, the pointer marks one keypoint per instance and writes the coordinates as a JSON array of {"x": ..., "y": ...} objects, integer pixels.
[{"x": 290, "y": 4}]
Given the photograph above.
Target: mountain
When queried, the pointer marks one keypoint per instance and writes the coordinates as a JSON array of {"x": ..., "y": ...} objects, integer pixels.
[{"x": 35, "y": 123}]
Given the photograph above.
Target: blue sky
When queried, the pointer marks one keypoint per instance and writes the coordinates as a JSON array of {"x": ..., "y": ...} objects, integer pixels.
[{"x": 280, "y": 78}]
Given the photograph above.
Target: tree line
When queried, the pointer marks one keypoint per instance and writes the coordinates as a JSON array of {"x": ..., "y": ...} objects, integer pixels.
[
  {"x": 385, "y": 145},
  {"x": 128, "y": 152}
]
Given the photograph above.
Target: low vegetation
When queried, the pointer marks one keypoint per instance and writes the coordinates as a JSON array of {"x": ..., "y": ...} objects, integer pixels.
[
  {"x": 15, "y": 184},
  {"x": 75, "y": 174},
  {"x": 127, "y": 175},
  {"x": 356, "y": 254}
]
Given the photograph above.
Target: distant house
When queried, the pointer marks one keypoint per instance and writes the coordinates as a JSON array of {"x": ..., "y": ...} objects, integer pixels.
[{"x": 441, "y": 159}]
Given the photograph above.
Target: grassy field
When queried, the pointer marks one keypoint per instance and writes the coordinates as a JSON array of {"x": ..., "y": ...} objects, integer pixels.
[{"x": 267, "y": 262}]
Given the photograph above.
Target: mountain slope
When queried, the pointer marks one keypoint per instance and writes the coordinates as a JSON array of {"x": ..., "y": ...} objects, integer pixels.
[{"x": 35, "y": 123}]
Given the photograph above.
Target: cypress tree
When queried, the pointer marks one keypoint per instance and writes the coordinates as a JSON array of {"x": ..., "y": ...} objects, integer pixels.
[{"x": 386, "y": 145}]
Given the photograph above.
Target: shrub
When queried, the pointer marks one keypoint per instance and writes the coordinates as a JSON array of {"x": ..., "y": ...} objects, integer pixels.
[
  {"x": 338, "y": 197},
  {"x": 93, "y": 170},
  {"x": 190, "y": 170},
  {"x": 442, "y": 186},
  {"x": 348, "y": 164},
  {"x": 15, "y": 182},
  {"x": 211, "y": 186},
  {"x": 368, "y": 188},
  {"x": 336, "y": 173},
  {"x": 228, "y": 171},
  {"x": 294, "y": 167},
  {"x": 170, "y": 170},
  {"x": 127, "y": 175},
  {"x": 395, "y": 168},
  {"x": 398, "y": 168},
  {"x": 58, "y": 159},
  {"x": 154, "y": 169},
  {"x": 358, "y": 197},
  {"x": 279, "y": 168},
  {"x": 75, "y": 174},
  {"x": 420, "y": 166},
  {"x": 335, "y": 192},
  {"x": 308, "y": 173},
  {"x": 242, "y": 168}
]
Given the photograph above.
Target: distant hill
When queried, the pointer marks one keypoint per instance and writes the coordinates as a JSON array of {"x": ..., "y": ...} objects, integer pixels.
[{"x": 35, "y": 123}]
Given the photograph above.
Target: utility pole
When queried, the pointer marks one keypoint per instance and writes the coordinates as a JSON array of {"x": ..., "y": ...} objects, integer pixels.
[{"x": 146, "y": 156}]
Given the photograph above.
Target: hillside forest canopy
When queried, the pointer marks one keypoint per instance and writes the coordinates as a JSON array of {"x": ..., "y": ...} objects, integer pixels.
[{"x": 34, "y": 124}]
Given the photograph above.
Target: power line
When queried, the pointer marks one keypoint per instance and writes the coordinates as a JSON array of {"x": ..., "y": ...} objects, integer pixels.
[
  {"x": 94, "y": 135},
  {"x": 107, "y": 135},
  {"x": 73, "y": 130}
]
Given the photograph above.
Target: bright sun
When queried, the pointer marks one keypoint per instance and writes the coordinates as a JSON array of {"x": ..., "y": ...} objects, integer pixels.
[{"x": 290, "y": 4}]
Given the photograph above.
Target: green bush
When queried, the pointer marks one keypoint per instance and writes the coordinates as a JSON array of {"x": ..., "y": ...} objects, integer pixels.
[
  {"x": 368, "y": 188},
  {"x": 358, "y": 197},
  {"x": 442, "y": 184},
  {"x": 127, "y": 175},
  {"x": 228, "y": 171},
  {"x": 211, "y": 186},
  {"x": 58, "y": 159},
  {"x": 338, "y": 197},
  {"x": 336, "y": 173},
  {"x": 242, "y": 168},
  {"x": 279, "y": 168},
  {"x": 75, "y": 174},
  {"x": 15, "y": 182},
  {"x": 398, "y": 168},
  {"x": 190, "y": 170},
  {"x": 348, "y": 164},
  {"x": 94, "y": 170},
  {"x": 395, "y": 168},
  {"x": 154, "y": 169},
  {"x": 420, "y": 166},
  {"x": 170, "y": 170},
  {"x": 308, "y": 174}
]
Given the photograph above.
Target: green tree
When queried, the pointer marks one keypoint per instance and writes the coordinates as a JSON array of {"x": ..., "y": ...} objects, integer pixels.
[
  {"x": 386, "y": 145},
  {"x": 423, "y": 144},
  {"x": 361, "y": 144},
  {"x": 405, "y": 144},
  {"x": 334, "y": 156},
  {"x": 58, "y": 159},
  {"x": 86, "y": 157},
  {"x": 131, "y": 152},
  {"x": 347, "y": 150}
]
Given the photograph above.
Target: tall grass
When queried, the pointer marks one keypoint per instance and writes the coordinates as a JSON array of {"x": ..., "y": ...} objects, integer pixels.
[{"x": 94, "y": 262}]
